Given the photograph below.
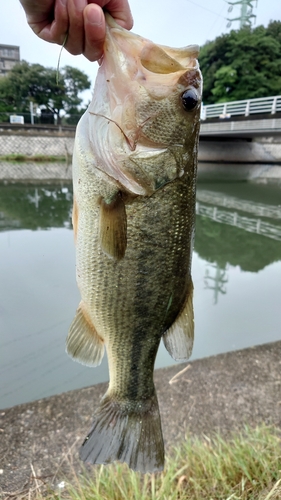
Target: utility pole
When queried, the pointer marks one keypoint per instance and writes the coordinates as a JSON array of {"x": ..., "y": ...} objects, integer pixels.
[{"x": 246, "y": 12}]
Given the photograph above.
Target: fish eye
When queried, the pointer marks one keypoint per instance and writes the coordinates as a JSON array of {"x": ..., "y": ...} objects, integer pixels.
[{"x": 189, "y": 99}]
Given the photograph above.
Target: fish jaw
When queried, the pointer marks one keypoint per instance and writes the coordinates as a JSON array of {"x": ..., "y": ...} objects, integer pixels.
[{"x": 136, "y": 108}]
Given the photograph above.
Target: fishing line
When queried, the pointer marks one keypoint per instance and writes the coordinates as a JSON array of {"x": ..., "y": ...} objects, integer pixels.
[
  {"x": 58, "y": 66},
  {"x": 215, "y": 21},
  {"x": 205, "y": 8}
]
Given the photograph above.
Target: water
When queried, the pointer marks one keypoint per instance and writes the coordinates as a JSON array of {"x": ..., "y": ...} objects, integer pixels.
[{"x": 236, "y": 274}]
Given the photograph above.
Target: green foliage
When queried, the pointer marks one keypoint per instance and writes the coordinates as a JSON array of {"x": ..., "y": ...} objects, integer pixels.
[
  {"x": 27, "y": 83},
  {"x": 225, "y": 79},
  {"x": 243, "y": 64}
]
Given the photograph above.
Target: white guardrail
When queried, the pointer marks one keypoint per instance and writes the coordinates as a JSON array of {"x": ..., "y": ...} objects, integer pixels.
[{"x": 247, "y": 107}]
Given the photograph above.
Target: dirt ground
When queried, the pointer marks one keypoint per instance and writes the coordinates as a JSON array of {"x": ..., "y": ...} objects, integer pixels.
[{"x": 41, "y": 439}]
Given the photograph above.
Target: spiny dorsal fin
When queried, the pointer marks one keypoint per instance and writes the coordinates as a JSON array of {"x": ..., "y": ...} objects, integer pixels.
[
  {"x": 83, "y": 343},
  {"x": 113, "y": 227},
  {"x": 178, "y": 339}
]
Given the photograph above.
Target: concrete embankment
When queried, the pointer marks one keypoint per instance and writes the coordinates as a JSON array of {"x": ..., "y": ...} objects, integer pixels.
[
  {"x": 255, "y": 172},
  {"x": 219, "y": 393},
  {"x": 35, "y": 171},
  {"x": 40, "y": 143},
  {"x": 258, "y": 150},
  {"x": 258, "y": 160}
]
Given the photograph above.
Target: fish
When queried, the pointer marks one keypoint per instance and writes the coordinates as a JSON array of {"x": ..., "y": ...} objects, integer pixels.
[{"x": 134, "y": 185}]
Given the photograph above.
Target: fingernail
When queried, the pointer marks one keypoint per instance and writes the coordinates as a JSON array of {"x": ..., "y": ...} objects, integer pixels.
[{"x": 95, "y": 16}]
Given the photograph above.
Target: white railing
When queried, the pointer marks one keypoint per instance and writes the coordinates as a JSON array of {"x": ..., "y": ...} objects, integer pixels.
[{"x": 247, "y": 107}]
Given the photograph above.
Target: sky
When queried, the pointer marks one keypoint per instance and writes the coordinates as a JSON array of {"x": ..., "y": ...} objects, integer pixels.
[{"x": 175, "y": 23}]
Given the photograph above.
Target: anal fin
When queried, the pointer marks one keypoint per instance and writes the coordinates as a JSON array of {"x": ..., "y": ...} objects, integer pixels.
[
  {"x": 113, "y": 227},
  {"x": 83, "y": 343},
  {"x": 178, "y": 339}
]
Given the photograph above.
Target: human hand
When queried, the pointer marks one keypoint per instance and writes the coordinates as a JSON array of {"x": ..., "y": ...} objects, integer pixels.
[{"x": 81, "y": 20}]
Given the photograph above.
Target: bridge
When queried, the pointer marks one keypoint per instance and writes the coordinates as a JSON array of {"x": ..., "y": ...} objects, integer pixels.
[
  {"x": 237, "y": 132},
  {"x": 242, "y": 119}
]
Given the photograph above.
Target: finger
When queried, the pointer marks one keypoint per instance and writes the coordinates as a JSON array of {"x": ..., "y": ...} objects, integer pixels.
[
  {"x": 76, "y": 38},
  {"x": 120, "y": 10},
  {"x": 48, "y": 20},
  {"x": 59, "y": 27},
  {"x": 94, "y": 23}
]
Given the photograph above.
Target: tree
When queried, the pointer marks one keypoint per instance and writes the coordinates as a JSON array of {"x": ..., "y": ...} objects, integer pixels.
[
  {"x": 225, "y": 80},
  {"x": 27, "y": 83},
  {"x": 243, "y": 64}
]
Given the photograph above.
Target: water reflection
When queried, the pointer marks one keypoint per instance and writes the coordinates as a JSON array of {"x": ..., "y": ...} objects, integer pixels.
[
  {"x": 236, "y": 273},
  {"x": 35, "y": 206},
  {"x": 216, "y": 279},
  {"x": 242, "y": 230}
]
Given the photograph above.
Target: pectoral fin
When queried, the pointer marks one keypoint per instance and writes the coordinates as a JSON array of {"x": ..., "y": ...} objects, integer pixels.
[
  {"x": 178, "y": 339},
  {"x": 83, "y": 343},
  {"x": 113, "y": 227}
]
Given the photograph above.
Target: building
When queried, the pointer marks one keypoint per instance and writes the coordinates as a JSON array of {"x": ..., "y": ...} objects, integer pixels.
[{"x": 9, "y": 56}]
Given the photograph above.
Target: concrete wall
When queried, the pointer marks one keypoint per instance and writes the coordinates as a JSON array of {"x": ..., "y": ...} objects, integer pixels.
[
  {"x": 36, "y": 145},
  {"x": 224, "y": 160},
  {"x": 35, "y": 171},
  {"x": 261, "y": 151},
  {"x": 257, "y": 172}
]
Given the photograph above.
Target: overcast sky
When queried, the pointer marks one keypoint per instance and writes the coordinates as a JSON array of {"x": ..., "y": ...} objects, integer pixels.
[{"x": 176, "y": 23}]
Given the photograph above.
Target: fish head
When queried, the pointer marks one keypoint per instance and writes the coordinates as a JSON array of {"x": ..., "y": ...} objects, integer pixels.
[{"x": 146, "y": 95}]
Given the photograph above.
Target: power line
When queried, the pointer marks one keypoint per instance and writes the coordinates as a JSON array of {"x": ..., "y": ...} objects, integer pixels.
[
  {"x": 205, "y": 8},
  {"x": 223, "y": 18}
]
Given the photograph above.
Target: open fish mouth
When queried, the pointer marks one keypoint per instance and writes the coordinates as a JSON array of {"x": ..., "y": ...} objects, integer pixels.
[
  {"x": 153, "y": 57},
  {"x": 140, "y": 59}
]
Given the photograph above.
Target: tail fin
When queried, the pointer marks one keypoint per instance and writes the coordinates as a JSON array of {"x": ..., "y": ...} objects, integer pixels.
[{"x": 128, "y": 432}]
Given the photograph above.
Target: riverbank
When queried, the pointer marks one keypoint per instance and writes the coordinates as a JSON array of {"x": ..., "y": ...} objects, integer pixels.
[
  {"x": 219, "y": 393},
  {"x": 238, "y": 151},
  {"x": 34, "y": 171}
]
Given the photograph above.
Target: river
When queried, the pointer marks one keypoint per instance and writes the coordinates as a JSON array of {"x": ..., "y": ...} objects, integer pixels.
[{"x": 236, "y": 274}]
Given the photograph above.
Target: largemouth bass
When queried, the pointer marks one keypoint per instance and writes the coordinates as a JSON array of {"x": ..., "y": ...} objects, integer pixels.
[{"x": 134, "y": 177}]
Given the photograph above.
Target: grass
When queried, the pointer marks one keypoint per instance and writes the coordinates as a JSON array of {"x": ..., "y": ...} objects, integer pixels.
[
  {"x": 247, "y": 466},
  {"x": 37, "y": 158}
]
